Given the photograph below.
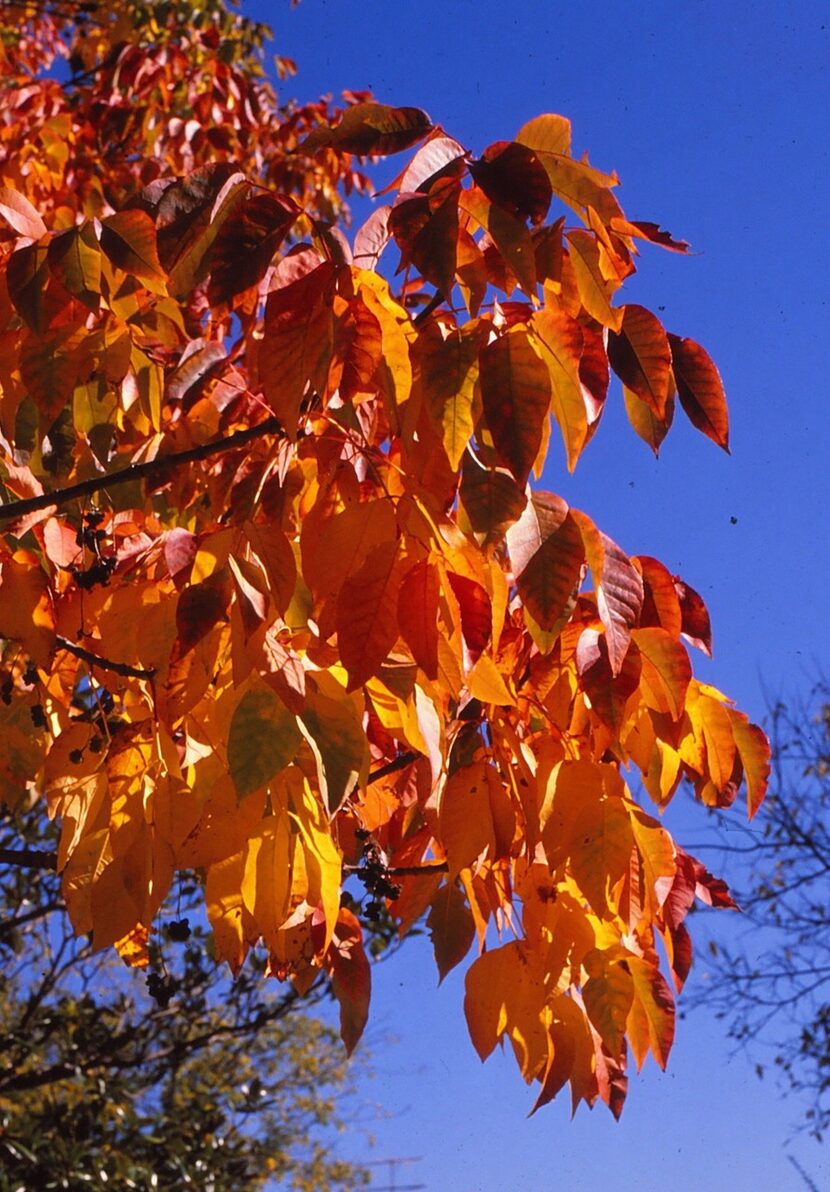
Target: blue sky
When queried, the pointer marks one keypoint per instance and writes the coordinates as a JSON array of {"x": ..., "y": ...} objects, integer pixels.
[{"x": 711, "y": 115}]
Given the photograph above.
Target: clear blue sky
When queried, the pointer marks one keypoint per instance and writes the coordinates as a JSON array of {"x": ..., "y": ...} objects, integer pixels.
[{"x": 711, "y": 115}]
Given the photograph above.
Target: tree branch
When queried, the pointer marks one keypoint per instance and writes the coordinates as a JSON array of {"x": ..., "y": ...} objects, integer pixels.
[
  {"x": 399, "y": 763},
  {"x": 29, "y": 858},
  {"x": 118, "y": 668},
  {"x": 148, "y": 470}
]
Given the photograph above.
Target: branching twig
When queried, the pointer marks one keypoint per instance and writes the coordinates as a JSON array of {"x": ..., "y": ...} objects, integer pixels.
[{"x": 151, "y": 468}]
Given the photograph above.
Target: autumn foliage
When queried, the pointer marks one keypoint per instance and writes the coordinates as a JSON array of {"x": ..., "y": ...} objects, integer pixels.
[{"x": 280, "y": 599}]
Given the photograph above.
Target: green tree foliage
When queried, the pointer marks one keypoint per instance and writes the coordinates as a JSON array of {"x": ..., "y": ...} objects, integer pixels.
[{"x": 210, "y": 1084}]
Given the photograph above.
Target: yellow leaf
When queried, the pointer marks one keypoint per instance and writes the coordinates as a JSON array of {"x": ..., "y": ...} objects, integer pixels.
[{"x": 487, "y": 683}]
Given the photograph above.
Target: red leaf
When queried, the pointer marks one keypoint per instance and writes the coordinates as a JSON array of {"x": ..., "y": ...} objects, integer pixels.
[
  {"x": 608, "y": 690},
  {"x": 451, "y": 928},
  {"x": 367, "y": 614},
  {"x": 129, "y": 240},
  {"x": 512, "y": 177},
  {"x": 418, "y": 615},
  {"x": 351, "y": 977},
  {"x": 547, "y": 555},
  {"x": 246, "y": 243},
  {"x": 296, "y": 348},
  {"x": 200, "y": 607},
  {"x": 700, "y": 390},
  {"x": 491, "y": 499},
  {"x": 425, "y": 227},
  {"x": 515, "y": 388},
  {"x": 476, "y": 613},
  {"x": 641, "y": 358},
  {"x": 694, "y": 617}
]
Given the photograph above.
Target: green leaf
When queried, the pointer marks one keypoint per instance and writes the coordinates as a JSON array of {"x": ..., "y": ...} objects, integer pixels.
[
  {"x": 262, "y": 741},
  {"x": 332, "y": 723}
]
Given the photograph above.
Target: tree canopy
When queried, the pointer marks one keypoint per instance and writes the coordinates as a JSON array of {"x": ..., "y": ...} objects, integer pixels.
[
  {"x": 213, "y": 1083},
  {"x": 281, "y": 600}
]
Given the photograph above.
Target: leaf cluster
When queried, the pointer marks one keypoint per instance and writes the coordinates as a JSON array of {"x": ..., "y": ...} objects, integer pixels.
[{"x": 280, "y": 600}]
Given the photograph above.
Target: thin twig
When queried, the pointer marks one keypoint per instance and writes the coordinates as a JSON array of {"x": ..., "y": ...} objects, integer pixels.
[
  {"x": 402, "y": 870},
  {"x": 151, "y": 468}
]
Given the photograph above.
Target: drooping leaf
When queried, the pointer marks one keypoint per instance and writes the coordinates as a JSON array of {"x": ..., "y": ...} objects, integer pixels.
[
  {"x": 547, "y": 554},
  {"x": 594, "y": 289},
  {"x": 246, "y": 243},
  {"x": 332, "y": 722},
  {"x": 640, "y": 356},
  {"x": 129, "y": 239},
  {"x": 491, "y": 499},
  {"x": 351, "y": 978},
  {"x": 515, "y": 389},
  {"x": 418, "y": 615},
  {"x": 700, "y": 390},
  {"x": 263, "y": 739},
  {"x": 296, "y": 348},
  {"x": 451, "y": 928},
  {"x": 425, "y": 227},
  {"x": 561, "y": 340},
  {"x": 367, "y": 614}
]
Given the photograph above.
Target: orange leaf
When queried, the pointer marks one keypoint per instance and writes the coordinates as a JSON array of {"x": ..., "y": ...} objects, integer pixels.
[
  {"x": 465, "y": 821},
  {"x": 504, "y": 995},
  {"x": 666, "y": 669},
  {"x": 594, "y": 290},
  {"x": 26, "y": 612},
  {"x": 652, "y": 1016},
  {"x": 754, "y": 749},
  {"x": 560, "y": 338}
]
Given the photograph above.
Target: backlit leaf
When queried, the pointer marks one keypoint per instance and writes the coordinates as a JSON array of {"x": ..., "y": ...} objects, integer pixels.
[
  {"x": 700, "y": 389},
  {"x": 451, "y": 928},
  {"x": 594, "y": 290},
  {"x": 263, "y": 739},
  {"x": 372, "y": 128},
  {"x": 561, "y": 340},
  {"x": 640, "y": 356},
  {"x": 19, "y": 213},
  {"x": 515, "y": 389}
]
